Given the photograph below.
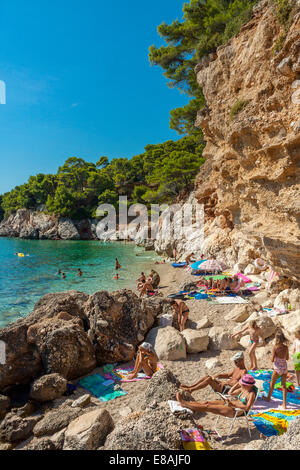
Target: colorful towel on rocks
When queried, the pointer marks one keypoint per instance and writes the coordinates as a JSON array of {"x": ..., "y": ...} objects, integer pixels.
[
  {"x": 193, "y": 439},
  {"x": 99, "y": 386},
  {"x": 292, "y": 397},
  {"x": 121, "y": 373},
  {"x": 273, "y": 422}
]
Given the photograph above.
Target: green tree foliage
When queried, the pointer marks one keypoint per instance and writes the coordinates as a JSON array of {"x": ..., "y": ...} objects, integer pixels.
[
  {"x": 206, "y": 25},
  {"x": 79, "y": 187}
]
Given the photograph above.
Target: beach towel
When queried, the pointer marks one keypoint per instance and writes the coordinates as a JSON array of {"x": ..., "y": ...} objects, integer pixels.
[
  {"x": 261, "y": 374},
  {"x": 292, "y": 397},
  {"x": 176, "y": 407},
  {"x": 179, "y": 265},
  {"x": 193, "y": 439},
  {"x": 273, "y": 422},
  {"x": 121, "y": 373},
  {"x": 245, "y": 278},
  {"x": 273, "y": 312},
  {"x": 98, "y": 386},
  {"x": 230, "y": 300}
]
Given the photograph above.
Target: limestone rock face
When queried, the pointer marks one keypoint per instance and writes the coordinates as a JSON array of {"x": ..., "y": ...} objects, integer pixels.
[
  {"x": 289, "y": 322},
  {"x": 220, "y": 339},
  {"x": 118, "y": 323},
  {"x": 196, "y": 341},
  {"x": 56, "y": 420},
  {"x": 48, "y": 387},
  {"x": 168, "y": 343},
  {"x": 67, "y": 230},
  {"x": 4, "y": 405},
  {"x": 13, "y": 428},
  {"x": 89, "y": 431},
  {"x": 240, "y": 313},
  {"x": 288, "y": 297},
  {"x": 251, "y": 174}
]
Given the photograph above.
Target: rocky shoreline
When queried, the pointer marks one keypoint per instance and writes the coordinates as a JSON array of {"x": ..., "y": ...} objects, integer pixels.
[{"x": 71, "y": 335}]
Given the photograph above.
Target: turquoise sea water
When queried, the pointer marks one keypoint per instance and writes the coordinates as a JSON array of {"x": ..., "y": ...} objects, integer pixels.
[{"x": 24, "y": 280}]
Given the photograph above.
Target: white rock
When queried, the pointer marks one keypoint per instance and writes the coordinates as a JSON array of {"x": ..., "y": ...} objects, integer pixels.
[
  {"x": 240, "y": 313},
  {"x": 288, "y": 297},
  {"x": 168, "y": 343},
  {"x": 88, "y": 432},
  {"x": 213, "y": 363},
  {"x": 204, "y": 323},
  {"x": 289, "y": 322},
  {"x": 221, "y": 339},
  {"x": 82, "y": 401},
  {"x": 196, "y": 341}
]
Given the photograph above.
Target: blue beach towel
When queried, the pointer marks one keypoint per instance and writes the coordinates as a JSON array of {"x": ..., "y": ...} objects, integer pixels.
[{"x": 96, "y": 385}]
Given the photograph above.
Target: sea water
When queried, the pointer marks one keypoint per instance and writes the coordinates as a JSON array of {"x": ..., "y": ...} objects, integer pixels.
[{"x": 24, "y": 280}]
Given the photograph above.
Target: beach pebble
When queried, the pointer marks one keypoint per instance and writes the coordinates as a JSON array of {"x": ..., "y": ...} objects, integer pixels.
[
  {"x": 82, "y": 401},
  {"x": 196, "y": 341},
  {"x": 204, "y": 323},
  {"x": 213, "y": 363}
]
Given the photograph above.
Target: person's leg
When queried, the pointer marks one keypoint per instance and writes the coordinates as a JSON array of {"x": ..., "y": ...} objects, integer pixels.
[
  {"x": 214, "y": 407},
  {"x": 274, "y": 378},
  {"x": 253, "y": 360},
  {"x": 298, "y": 377},
  {"x": 284, "y": 390},
  {"x": 217, "y": 386},
  {"x": 137, "y": 366},
  {"x": 184, "y": 318}
]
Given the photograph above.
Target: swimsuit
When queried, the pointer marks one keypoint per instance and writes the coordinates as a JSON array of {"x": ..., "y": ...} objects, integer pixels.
[{"x": 280, "y": 366}]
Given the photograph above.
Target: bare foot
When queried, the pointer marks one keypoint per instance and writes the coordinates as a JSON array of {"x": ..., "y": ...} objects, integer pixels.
[
  {"x": 179, "y": 399},
  {"x": 266, "y": 398},
  {"x": 131, "y": 376}
]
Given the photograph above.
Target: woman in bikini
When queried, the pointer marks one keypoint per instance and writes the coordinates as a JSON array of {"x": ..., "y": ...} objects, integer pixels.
[
  {"x": 255, "y": 333},
  {"x": 226, "y": 407},
  {"x": 146, "y": 360},
  {"x": 182, "y": 311},
  {"x": 280, "y": 356}
]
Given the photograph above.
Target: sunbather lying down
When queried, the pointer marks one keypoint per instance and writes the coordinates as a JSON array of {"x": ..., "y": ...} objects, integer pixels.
[
  {"x": 226, "y": 407},
  {"x": 232, "y": 377},
  {"x": 146, "y": 360}
]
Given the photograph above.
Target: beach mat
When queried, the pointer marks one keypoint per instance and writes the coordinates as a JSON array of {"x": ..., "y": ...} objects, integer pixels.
[
  {"x": 292, "y": 397},
  {"x": 100, "y": 387},
  {"x": 274, "y": 422},
  {"x": 229, "y": 300},
  {"x": 193, "y": 439},
  {"x": 121, "y": 373}
]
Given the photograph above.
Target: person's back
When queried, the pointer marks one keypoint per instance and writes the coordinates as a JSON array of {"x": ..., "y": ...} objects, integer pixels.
[{"x": 281, "y": 351}]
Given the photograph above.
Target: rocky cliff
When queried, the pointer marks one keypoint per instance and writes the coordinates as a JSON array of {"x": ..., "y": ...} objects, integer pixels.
[
  {"x": 250, "y": 181},
  {"x": 40, "y": 225}
]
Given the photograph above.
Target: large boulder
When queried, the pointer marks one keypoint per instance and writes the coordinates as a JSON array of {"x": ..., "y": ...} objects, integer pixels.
[
  {"x": 289, "y": 322},
  {"x": 196, "y": 341},
  {"x": 265, "y": 323},
  {"x": 168, "y": 343},
  {"x": 288, "y": 297},
  {"x": 47, "y": 388},
  {"x": 221, "y": 339},
  {"x": 88, "y": 432},
  {"x": 240, "y": 313},
  {"x": 118, "y": 322},
  {"x": 163, "y": 386},
  {"x": 153, "y": 429},
  {"x": 13, "y": 428},
  {"x": 203, "y": 323},
  {"x": 56, "y": 420},
  {"x": 4, "y": 404},
  {"x": 63, "y": 346}
]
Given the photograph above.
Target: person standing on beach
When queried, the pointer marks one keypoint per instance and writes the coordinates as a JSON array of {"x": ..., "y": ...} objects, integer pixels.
[
  {"x": 280, "y": 356},
  {"x": 189, "y": 259},
  {"x": 296, "y": 354},
  {"x": 255, "y": 333},
  {"x": 182, "y": 311}
]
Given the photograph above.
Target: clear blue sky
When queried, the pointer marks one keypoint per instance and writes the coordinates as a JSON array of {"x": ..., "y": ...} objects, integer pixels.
[{"x": 79, "y": 82}]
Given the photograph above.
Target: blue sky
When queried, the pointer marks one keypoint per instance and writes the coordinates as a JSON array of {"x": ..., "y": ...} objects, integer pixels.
[{"x": 79, "y": 83}]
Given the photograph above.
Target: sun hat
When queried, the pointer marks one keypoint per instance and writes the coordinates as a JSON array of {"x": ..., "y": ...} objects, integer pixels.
[
  {"x": 247, "y": 380},
  {"x": 238, "y": 356}
]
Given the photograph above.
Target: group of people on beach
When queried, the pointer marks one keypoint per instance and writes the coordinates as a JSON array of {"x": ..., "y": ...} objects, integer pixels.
[
  {"x": 220, "y": 286},
  {"x": 237, "y": 388},
  {"x": 147, "y": 286}
]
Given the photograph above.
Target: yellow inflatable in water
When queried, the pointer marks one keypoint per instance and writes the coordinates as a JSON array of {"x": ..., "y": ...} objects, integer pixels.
[{"x": 21, "y": 255}]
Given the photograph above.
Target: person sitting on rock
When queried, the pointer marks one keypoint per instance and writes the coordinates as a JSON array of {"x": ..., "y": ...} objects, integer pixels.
[
  {"x": 154, "y": 278},
  {"x": 182, "y": 311},
  {"x": 226, "y": 407},
  {"x": 146, "y": 361},
  {"x": 232, "y": 377},
  {"x": 146, "y": 288}
]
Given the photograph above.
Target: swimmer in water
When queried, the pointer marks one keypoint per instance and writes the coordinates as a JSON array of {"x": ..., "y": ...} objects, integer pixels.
[
  {"x": 64, "y": 276},
  {"x": 79, "y": 272},
  {"x": 116, "y": 277},
  {"x": 59, "y": 271}
]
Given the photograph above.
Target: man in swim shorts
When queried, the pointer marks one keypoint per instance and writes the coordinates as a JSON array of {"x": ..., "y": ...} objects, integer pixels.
[{"x": 232, "y": 377}]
